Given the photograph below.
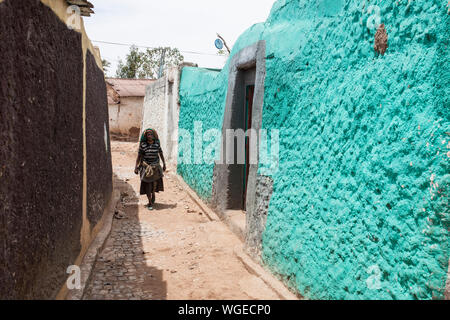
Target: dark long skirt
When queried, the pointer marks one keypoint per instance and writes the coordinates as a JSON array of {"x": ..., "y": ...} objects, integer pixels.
[
  {"x": 146, "y": 187},
  {"x": 147, "y": 183}
]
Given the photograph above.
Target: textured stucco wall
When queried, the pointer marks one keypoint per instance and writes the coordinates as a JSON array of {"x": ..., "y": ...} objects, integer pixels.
[
  {"x": 125, "y": 118},
  {"x": 202, "y": 99},
  {"x": 364, "y": 166},
  {"x": 162, "y": 110},
  {"x": 154, "y": 106},
  {"x": 172, "y": 113},
  {"x": 43, "y": 176},
  {"x": 362, "y": 138}
]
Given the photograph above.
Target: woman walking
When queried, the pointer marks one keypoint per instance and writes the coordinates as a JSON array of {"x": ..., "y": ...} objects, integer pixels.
[{"x": 148, "y": 166}]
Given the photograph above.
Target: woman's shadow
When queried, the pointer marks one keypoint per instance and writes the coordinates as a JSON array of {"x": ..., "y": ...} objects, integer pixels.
[{"x": 123, "y": 269}]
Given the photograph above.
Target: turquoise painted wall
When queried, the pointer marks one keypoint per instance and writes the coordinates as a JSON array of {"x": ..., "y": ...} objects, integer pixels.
[
  {"x": 364, "y": 170},
  {"x": 202, "y": 98}
]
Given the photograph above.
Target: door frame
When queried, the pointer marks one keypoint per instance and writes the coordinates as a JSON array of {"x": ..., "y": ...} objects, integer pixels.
[
  {"x": 249, "y": 95},
  {"x": 251, "y": 57}
]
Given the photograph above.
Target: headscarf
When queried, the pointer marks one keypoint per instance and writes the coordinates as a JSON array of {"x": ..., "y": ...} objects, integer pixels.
[{"x": 144, "y": 135}]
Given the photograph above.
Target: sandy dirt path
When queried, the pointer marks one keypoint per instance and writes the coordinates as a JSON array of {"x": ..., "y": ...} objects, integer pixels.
[{"x": 173, "y": 252}]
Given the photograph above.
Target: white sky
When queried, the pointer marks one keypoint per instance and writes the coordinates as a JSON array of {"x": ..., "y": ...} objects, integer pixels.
[{"x": 189, "y": 25}]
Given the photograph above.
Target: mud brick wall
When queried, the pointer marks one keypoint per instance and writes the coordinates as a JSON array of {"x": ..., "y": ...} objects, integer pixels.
[{"x": 41, "y": 148}]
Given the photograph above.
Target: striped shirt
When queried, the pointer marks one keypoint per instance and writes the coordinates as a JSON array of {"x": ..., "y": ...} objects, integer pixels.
[{"x": 150, "y": 152}]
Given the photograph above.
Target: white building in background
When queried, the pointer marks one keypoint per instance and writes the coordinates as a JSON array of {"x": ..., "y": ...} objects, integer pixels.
[{"x": 125, "y": 104}]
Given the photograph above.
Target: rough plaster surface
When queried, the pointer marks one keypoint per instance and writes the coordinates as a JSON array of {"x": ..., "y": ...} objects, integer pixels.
[
  {"x": 202, "y": 98},
  {"x": 364, "y": 146},
  {"x": 256, "y": 219},
  {"x": 154, "y": 106},
  {"x": 41, "y": 154},
  {"x": 162, "y": 110},
  {"x": 172, "y": 113},
  {"x": 99, "y": 167},
  {"x": 41, "y": 150}
]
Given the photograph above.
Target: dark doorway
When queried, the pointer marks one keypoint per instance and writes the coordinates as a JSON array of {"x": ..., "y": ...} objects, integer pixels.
[
  {"x": 236, "y": 185},
  {"x": 241, "y": 119}
]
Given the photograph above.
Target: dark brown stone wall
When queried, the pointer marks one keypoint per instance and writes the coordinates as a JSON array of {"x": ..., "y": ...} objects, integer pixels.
[
  {"x": 99, "y": 168},
  {"x": 41, "y": 149}
]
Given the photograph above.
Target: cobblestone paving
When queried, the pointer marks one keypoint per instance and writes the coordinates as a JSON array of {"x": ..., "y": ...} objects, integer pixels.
[
  {"x": 121, "y": 271},
  {"x": 173, "y": 252}
]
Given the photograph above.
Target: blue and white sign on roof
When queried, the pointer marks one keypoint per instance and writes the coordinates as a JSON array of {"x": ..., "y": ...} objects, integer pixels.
[{"x": 219, "y": 44}]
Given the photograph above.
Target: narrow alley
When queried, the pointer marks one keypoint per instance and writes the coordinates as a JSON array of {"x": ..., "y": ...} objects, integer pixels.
[
  {"x": 173, "y": 252},
  {"x": 302, "y": 147}
]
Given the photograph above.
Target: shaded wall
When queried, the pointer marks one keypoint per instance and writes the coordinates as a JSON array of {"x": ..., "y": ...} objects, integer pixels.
[
  {"x": 363, "y": 171},
  {"x": 99, "y": 166},
  {"x": 41, "y": 147}
]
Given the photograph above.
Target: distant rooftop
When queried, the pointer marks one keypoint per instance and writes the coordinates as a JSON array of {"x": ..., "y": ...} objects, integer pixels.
[
  {"x": 85, "y": 6},
  {"x": 127, "y": 88}
]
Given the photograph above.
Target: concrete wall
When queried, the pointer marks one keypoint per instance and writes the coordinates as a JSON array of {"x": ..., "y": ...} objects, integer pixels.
[
  {"x": 125, "y": 118},
  {"x": 358, "y": 205},
  {"x": 54, "y": 148}
]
